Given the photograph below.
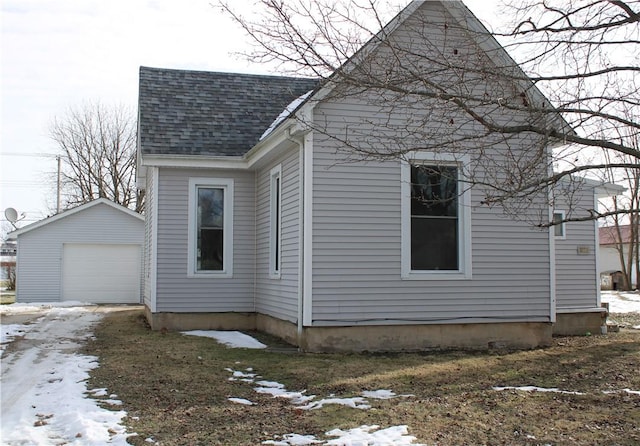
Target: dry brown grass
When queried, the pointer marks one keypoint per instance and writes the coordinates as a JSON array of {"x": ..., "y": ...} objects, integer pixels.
[{"x": 175, "y": 390}]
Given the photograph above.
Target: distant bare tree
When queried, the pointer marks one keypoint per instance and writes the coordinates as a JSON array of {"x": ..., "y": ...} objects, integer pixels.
[
  {"x": 625, "y": 210},
  {"x": 448, "y": 88},
  {"x": 98, "y": 148}
]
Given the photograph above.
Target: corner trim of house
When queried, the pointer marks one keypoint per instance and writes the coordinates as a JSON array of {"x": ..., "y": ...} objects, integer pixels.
[
  {"x": 154, "y": 238},
  {"x": 552, "y": 262},
  {"x": 596, "y": 250},
  {"x": 307, "y": 227}
]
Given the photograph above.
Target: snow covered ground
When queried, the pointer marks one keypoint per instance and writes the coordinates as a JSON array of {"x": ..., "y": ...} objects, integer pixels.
[
  {"x": 622, "y": 301},
  {"x": 45, "y": 399}
]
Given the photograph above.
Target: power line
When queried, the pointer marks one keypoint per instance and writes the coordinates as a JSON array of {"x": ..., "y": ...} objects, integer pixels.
[{"x": 39, "y": 155}]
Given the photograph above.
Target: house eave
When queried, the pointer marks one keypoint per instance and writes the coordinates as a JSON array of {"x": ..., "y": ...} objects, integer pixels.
[{"x": 194, "y": 161}]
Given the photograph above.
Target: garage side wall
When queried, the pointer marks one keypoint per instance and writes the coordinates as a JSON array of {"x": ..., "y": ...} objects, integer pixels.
[{"x": 39, "y": 262}]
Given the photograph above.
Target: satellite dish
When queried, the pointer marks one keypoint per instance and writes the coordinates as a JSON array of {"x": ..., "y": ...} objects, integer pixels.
[{"x": 11, "y": 214}]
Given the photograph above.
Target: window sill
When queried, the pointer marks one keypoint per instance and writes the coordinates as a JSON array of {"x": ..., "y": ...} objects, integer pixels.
[
  {"x": 210, "y": 275},
  {"x": 274, "y": 276},
  {"x": 436, "y": 275}
]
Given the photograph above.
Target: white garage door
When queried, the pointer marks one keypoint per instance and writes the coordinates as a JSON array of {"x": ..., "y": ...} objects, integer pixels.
[{"x": 101, "y": 273}]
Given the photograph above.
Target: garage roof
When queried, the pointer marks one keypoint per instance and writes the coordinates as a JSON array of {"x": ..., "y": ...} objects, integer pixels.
[{"x": 100, "y": 201}]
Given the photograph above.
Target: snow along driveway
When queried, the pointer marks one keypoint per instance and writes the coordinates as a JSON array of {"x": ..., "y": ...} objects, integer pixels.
[{"x": 44, "y": 398}]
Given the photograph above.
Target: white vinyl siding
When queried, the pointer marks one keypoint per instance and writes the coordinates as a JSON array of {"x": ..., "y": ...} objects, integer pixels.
[
  {"x": 279, "y": 298},
  {"x": 357, "y": 257},
  {"x": 179, "y": 291},
  {"x": 576, "y": 275},
  {"x": 357, "y": 213},
  {"x": 40, "y": 251}
]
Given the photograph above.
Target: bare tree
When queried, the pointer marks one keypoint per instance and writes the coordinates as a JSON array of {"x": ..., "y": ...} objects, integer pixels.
[
  {"x": 98, "y": 147},
  {"x": 444, "y": 84},
  {"x": 624, "y": 229}
]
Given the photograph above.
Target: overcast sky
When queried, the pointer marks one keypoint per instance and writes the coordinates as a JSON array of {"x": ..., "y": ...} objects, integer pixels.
[{"x": 58, "y": 54}]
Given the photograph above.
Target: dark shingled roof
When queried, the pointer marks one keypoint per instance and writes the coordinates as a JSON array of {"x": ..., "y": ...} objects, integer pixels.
[{"x": 203, "y": 113}]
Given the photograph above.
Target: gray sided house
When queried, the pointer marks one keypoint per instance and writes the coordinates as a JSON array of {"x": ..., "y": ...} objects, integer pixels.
[
  {"x": 91, "y": 253},
  {"x": 255, "y": 221}
]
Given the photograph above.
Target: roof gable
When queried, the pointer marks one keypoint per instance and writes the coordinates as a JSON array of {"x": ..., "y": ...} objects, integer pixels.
[
  {"x": 76, "y": 210},
  {"x": 206, "y": 113}
]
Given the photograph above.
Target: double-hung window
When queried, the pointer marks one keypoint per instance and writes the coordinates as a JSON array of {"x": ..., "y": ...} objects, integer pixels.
[
  {"x": 210, "y": 251},
  {"x": 436, "y": 234},
  {"x": 275, "y": 214}
]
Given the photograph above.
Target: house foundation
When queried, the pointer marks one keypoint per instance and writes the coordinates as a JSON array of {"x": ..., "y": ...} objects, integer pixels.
[
  {"x": 200, "y": 321},
  {"x": 514, "y": 335},
  {"x": 581, "y": 323}
]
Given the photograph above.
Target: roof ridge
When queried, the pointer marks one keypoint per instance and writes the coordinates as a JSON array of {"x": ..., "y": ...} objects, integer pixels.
[{"x": 224, "y": 73}]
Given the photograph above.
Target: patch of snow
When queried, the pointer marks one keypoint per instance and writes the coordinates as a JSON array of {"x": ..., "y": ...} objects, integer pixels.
[
  {"x": 537, "y": 389},
  {"x": 382, "y": 394},
  {"x": 241, "y": 401},
  {"x": 233, "y": 339},
  {"x": 19, "y": 308},
  {"x": 240, "y": 374},
  {"x": 373, "y": 436},
  {"x": 112, "y": 402},
  {"x": 356, "y": 403},
  {"x": 44, "y": 398},
  {"x": 359, "y": 436},
  {"x": 98, "y": 392},
  {"x": 286, "y": 113},
  {"x": 10, "y": 332},
  {"x": 296, "y": 398},
  {"x": 629, "y": 391},
  {"x": 621, "y": 301},
  {"x": 274, "y": 384},
  {"x": 294, "y": 439}
]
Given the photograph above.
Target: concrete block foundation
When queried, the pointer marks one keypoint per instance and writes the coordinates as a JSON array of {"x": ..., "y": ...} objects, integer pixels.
[
  {"x": 372, "y": 338},
  {"x": 580, "y": 324}
]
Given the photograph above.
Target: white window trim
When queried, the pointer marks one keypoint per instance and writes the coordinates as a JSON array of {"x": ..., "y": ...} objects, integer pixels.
[
  {"x": 227, "y": 185},
  {"x": 275, "y": 243},
  {"x": 563, "y": 225},
  {"x": 464, "y": 218}
]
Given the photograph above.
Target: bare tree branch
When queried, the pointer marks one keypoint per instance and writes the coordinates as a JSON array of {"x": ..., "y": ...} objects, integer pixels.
[{"x": 98, "y": 147}]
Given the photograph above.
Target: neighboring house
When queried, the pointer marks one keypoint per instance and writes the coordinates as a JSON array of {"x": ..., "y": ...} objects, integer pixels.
[
  {"x": 254, "y": 221},
  {"x": 91, "y": 253},
  {"x": 610, "y": 263},
  {"x": 7, "y": 263}
]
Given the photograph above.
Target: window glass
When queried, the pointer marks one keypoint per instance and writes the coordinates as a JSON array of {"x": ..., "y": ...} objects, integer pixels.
[
  {"x": 210, "y": 230},
  {"x": 276, "y": 213},
  {"x": 558, "y": 228},
  {"x": 434, "y": 218}
]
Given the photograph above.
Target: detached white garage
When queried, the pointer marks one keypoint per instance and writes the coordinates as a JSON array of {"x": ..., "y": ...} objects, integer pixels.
[{"x": 92, "y": 253}]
